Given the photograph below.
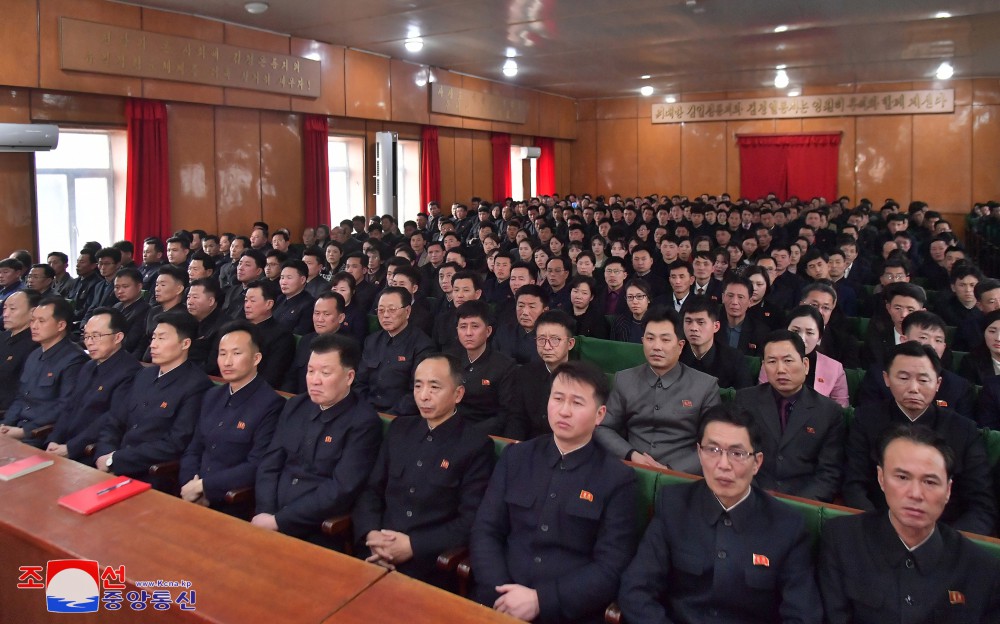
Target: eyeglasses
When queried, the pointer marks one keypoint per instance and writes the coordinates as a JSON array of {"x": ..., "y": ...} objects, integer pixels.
[
  {"x": 390, "y": 310},
  {"x": 613, "y": 271},
  {"x": 93, "y": 337},
  {"x": 895, "y": 277},
  {"x": 735, "y": 455},
  {"x": 552, "y": 341},
  {"x": 634, "y": 297}
]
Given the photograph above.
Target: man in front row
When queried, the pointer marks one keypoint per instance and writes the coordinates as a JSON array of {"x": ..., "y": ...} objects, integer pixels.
[
  {"x": 905, "y": 565},
  {"x": 156, "y": 422},
  {"x": 235, "y": 427},
  {"x": 655, "y": 408},
  {"x": 913, "y": 374},
  {"x": 721, "y": 549},
  {"x": 323, "y": 450},
  {"x": 802, "y": 431},
  {"x": 557, "y": 525},
  {"x": 428, "y": 480}
]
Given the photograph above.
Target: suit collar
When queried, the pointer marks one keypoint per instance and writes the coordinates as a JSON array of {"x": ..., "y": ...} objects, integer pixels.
[
  {"x": 650, "y": 378},
  {"x": 927, "y": 556},
  {"x": 712, "y": 512},
  {"x": 575, "y": 459}
]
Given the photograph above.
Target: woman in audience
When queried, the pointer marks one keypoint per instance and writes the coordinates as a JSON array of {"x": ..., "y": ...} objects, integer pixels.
[
  {"x": 598, "y": 246},
  {"x": 642, "y": 233},
  {"x": 737, "y": 263},
  {"x": 759, "y": 304},
  {"x": 983, "y": 362},
  {"x": 526, "y": 250},
  {"x": 556, "y": 247},
  {"x": 684, "y": 249},
  {"x": 322, "y": 235},
  {"x": 702, "y": 243},
  {"x": 749, "y": 248},
  {"x": 334, "y": 253},
  {"x": 355, "y": 322},
  {"x": 628, "y": 326},
  {"x": 376, "y": 269},
  {"x": 589, "y": 320},
  {"x": 826, "y": 375},
  {"x": 541, "y": 258},
  {"x": 586, "y": 266},
  {"x": 794, "y": 255},
  {"x": 573, "y": 251},
  {"x": 618, "y": 248}
]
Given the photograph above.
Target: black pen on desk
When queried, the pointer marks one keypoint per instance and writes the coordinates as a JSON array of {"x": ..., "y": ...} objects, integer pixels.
[{"x": 114, "y": 487}]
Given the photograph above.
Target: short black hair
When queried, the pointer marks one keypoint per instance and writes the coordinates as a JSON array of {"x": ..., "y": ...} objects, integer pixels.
[
  {"x": 299, "y": 266},
  {"x": 58, "y": 254},
  {"x": 905, "y": 289},
  {"x": 477, "y": 281},
  {"x": 530, "y": 266},
  {"x": 257, "y": 257},
  {"x": 344, "y": 276},
  {"x": 557, "y": 317},
  {"x": 46, "y": 269},
  {"x": 918, "y": 434},
  {"x": 474, "y": 309},
  {"x": 587, "y": 374},
  {"x": 346, "y": 347},
  {"x": 268, "y": 289},
  {"x": 912, "y": 348},
  {"x": 174, "y": 272},
  {"x": 732, "y": 415},
  {"x": 131, "y": 273},
  {"x": 62, "y": 309},
  {"x": 125, "y": 246},
  {"x": 243, "y": 326},
  {"x": 207, "y": 261},
  {"x": 784, "y": 335},
  {"x": 116, "y": 322},
  {"x": 454, "y": 365},
  {"x": 404, "y": 295},
  {"x": 925, "y": 320},
  {"x": 807, "y": 310},
  {"x": 532, "y": 290},
  {"x": 701, "y": 303},
  {"x": 212, "y": 287},
  {"x": 109, "y": 252},
  {"x": 185, "y": 324},
  {"x": 986, "y": 285},
  {"x": 662, "y": 313}
]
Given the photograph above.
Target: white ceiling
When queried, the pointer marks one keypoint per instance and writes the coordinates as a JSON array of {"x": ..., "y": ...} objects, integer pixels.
[{"x": 601, "y": 48}]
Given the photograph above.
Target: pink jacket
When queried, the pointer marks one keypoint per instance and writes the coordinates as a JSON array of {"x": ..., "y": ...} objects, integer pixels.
[{"x": 831, "y": 381}]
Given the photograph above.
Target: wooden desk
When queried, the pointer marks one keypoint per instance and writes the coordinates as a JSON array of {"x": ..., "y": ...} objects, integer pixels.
[
  {"x": 398, "y": 598},
  {"x": 241, "y": 573}
]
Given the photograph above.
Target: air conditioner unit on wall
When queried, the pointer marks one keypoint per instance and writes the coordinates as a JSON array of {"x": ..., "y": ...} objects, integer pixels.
[
  {"x": 28, "y": 137},
  {"x": 386, "y": 173}
]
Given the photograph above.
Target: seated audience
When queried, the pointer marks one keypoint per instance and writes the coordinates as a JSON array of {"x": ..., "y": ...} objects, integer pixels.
[
  {"x": 703, "y": 353},
  {"x": 294, "y": 310},
  {"x": 517, "y": 339},
  {"x": 487, "y": 375},
  {"x": 15, "y": 342},
  {"x": 627, "y": 327},
  {"x": 327, "y": 318},
  {"x": 590, "y": 320},
  {"x": 983, "y": 362}
]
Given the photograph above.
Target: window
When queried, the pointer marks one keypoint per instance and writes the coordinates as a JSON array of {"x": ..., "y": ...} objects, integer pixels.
[
  {"x": 347, "y": 177},
  {"x": 80, "y": 187},
  {"x": 408, "y": 195},
  {"x": 521, "y": 188}
]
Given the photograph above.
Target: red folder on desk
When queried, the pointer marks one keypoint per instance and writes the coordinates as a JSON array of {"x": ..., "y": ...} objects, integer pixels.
[
  {"x": 104, "y": 494},
  {"x": 21, "y": 467}
]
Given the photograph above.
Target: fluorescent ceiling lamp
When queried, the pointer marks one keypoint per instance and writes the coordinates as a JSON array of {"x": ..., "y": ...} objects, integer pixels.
[
  {"x": 510, "y": 68},
  {"x": 414, "y": 44},
  {"x": 256, "y": 8},
  {"x": 670, "y": 99},
  {"x": 780, "y": 29},
  {"x": 945, "y": 71},
  {"x": 646, "y": 91},
  {"x": 781, "y": 79},
  {"x": 794, "y": 93},
  {"x": 942, "y": 15}
]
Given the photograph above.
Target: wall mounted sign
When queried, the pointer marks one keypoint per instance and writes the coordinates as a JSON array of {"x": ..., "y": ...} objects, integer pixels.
[
  {"x": 91, "y": 47},
  {"x": 806, "y": 106},
  {"x": 466, "y": 103}
]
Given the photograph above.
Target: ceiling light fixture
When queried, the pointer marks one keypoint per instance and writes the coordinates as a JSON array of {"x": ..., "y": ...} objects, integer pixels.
[
  {"x": 645, "y": 77},
  {"x": 510, "y": 68},
  {"x": 945, "y": 71},
  {"x": 511, "y": 53},
  {"x": 794, "y": 93},
  {"x": 670, "y": 99},
  {"x": 942, "y": 15},
  {"x": 414, "y": 44},
  {"x": 780, "y": 29},
  {"x": 781, "y": 79},
  {"x": 646, "y": 91},
  {"x": 256, "y": 8}
]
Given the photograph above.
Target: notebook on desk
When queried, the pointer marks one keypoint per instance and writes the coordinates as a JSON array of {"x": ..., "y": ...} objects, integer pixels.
[
  {"x": 19, "y": 467},
  {"x": 103, "y": 494}
]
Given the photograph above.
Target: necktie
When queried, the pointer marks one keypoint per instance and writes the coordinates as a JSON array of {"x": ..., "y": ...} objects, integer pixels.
[
  {"x": 785, "y": 410},
  {"x": 701, "y": 291}
]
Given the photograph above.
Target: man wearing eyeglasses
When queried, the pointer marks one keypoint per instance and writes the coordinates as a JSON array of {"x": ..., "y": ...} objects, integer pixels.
[
  {"x": 557, "y": 273},
  {"x": 104, "y": 381},
  {"x": 722, "y": 549},
  {"x": 802, "y": 431},
  {"x": 901, "y": 300},
  {"x": 612, "y": 295},
  {"x": 390, "y": 355}
]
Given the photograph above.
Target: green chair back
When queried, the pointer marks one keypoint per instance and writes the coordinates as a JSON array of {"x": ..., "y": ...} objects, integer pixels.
[
  {"x": 813, "y": 515},
  {"x": 854, "y": 377},
  {"x": 499, "y": 444},
  {"x": 386, "y": 421},
  {"x": 753, "y": 363},
  {"x": 609, "y": 355},
  {"x": 727, "y": 395},
  {"x": 373, "y": 325},
  {"x": 992, "y": 439},
  {"x": 646, "y": 498},
  {"x": 956, "y": 360}
]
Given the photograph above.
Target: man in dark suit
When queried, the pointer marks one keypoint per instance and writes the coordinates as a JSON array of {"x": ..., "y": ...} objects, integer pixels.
[
  {"x": 157, "y": 421},
  {"x": 703, "y": 352},
  {"x": 557, "y": 525},
  {"x": 323, "y": 449},
  {"x": 901, "y": 300},
  {"x": 720, "y": 549},
  {"x": 294, "y": 308},
  {"x": 128, "y": 292},
  {"x": 906, "y": 565},
  {"x": 955, "y": 393},
  {"x": 913, "y": 374},
  {"x": 277, "y": 345},
  {"x": 104, "y": 381},
  {"x": 235, "y": 426},
  {"x": 428, "y": 480},
  {"x": 739, "y": 330},
  {"x": 487, "y": 374},
  {"x": 802, "y": 431},
  {"x": 528, "y": 415}
]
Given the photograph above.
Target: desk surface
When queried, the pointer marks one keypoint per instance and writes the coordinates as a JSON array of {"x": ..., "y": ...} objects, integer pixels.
[
  {"x": 398, "y": 598},
  {"x": 241, "y": 573}
]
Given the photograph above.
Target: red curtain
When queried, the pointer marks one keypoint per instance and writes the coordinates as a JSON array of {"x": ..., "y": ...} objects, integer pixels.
[
  {"x": 430, "y": 167},
  {"x": 147, "y": 191},
  {"x": 546, "y": 181},
  {"x": 316, "y": 169},
  {"x": 501, "y": 166},
  {"x": 804, "y": 165}
]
